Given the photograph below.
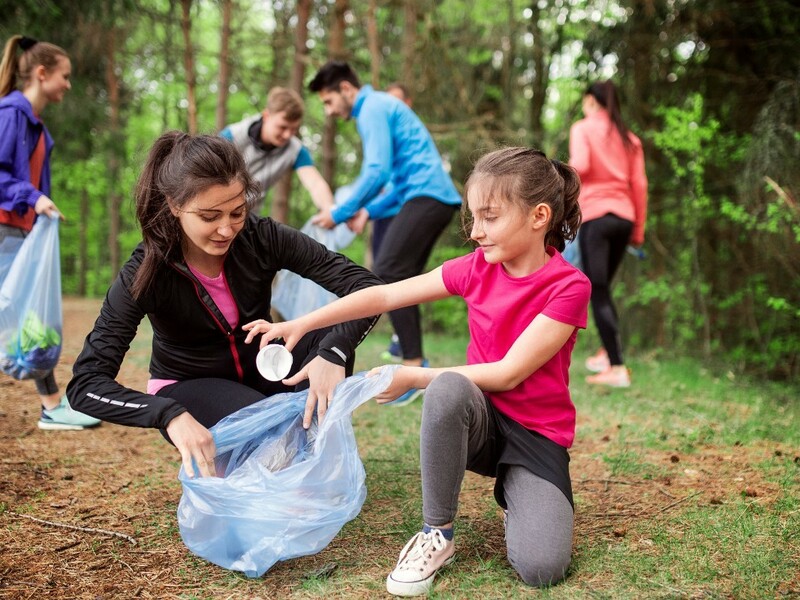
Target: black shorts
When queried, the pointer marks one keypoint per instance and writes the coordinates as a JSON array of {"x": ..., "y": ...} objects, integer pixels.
[{"x": 509, "y": 443}]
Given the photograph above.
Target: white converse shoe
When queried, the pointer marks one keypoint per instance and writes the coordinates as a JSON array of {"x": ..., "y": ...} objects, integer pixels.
[{"x": 422, "y": 557}]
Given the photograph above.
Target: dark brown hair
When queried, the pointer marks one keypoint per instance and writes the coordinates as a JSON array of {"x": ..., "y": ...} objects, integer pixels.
[
  {"x": 331, "y": 75},
  {"x": 527, "y": 177},
  {"x": 178, "y": 168},
  {"x": 605, "y": 92},
  {"x": 33, "y": 54}
]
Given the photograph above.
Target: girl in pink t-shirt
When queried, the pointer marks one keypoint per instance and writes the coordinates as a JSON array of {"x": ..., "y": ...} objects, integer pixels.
[{"x": 507, "y": 413}]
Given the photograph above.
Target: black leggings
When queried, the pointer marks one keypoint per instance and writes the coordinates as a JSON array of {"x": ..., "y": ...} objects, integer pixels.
[
  {"x": 603, "y": 243},
  {"x": 404, "y": 250}
]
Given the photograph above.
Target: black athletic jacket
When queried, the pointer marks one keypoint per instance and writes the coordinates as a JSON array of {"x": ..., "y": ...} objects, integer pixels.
[{"x": 191, "y": 338}]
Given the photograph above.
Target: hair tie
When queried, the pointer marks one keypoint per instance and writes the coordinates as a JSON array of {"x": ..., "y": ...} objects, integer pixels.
[{"x": 26, "y": 43}]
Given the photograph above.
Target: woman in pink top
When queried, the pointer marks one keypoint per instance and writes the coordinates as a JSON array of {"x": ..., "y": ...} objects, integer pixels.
[
  {"x": 610, "y": 162},
  {"x": 507, "y": 413}
]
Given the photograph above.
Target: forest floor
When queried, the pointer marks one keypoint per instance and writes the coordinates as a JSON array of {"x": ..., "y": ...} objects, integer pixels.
[{"x": 91, "y": 514}]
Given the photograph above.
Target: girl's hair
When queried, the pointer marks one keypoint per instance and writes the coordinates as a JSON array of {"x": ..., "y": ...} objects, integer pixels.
[
  {"x": 605, "y": 92},
  {"x": 33, "y": 54},
  {"x": 178, "y": 168},
  {"x": 526, "y": 177}
]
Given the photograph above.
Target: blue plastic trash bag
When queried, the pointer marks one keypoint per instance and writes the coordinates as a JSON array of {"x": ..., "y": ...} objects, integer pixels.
[
  {"x": 280, "y": 491},
  {"x": 9, "y": 248},
  {"x": 294, "y": 296},
  {"x": 30, "y": 304}
]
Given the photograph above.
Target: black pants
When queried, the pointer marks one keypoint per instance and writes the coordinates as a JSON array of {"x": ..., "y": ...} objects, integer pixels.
[
  {"x": 210, "y": 399},
  {"x": 602, "y": 242},
  {"x": 404, "y": 251}
]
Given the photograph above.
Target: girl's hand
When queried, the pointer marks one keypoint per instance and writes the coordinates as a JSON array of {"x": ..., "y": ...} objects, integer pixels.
[
  {"x": 290, "y": 331},
  {"x": 405, "y": 378},
  {"x": 194, "y": 442},
  {"x": 47, "y": 207},
  {"x": 323, "y": 377}
]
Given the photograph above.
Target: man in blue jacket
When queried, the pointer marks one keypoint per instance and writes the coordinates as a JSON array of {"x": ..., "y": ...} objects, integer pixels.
[{"x": 397, "y": 149}]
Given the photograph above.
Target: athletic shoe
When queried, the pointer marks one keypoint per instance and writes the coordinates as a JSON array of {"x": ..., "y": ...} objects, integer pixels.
[
  {"x": 598, "y": 362},
  {"x": 422, "y": 557},
  {"x": 617, "y": 377},
  {"x": 63, "y": 417},
  {"x": 411, "y": 394},
  {"x": 393, "y": 352}
]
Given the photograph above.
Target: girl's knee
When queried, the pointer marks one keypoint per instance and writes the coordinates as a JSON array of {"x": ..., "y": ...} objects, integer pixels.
[
  {"x": 540, "y": 571},
  {"x": 448, "y": 393}
]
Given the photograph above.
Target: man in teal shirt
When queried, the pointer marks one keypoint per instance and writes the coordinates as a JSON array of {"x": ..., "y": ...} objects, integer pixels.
[
  {"x": 271, "y": 148},
  {"x": 397, "y": 149}
]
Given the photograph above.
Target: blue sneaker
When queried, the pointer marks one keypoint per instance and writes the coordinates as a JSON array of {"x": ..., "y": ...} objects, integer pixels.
[
  {"x": 411, "y": 394},
  {"x": 64, "y": 418},
  {"x": 393, "y": 352}
]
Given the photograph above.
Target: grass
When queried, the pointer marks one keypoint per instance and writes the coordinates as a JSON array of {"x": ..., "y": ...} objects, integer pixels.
[{"x": 686, "y": 486}]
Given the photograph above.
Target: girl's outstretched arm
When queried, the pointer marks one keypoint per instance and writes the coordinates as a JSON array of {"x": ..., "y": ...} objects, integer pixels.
[
  {"x": 537, "y": 344},
  {"x": 363, "y": 303}
]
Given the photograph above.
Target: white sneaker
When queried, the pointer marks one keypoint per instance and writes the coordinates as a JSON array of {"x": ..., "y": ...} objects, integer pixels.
[
  {"x": 598, "y": 362},
  {"x": 422, "y": 557},
  {"x": 617, "y": 376}
]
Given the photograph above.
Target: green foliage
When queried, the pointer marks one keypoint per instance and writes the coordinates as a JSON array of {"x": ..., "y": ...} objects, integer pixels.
[{"x": 716, "y": 102}]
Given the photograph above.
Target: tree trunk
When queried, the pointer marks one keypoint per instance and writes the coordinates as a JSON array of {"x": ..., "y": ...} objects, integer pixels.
[
  {"x": 540, "y": 78},
  {"x": 336, "y": 51},
  {"x": 374, "y": 45},
  {"x": 224, "y": 65},
  {"x": 169, "y": 61},
  {"x": 409, "y": 40},
  {"x": 83, "y": 237},
  {"x": 283, "y": 190},
  {"x": 509, "y": 54},
  {"x": 188, "y": 65},
  {"x": 114, "y": 197}
]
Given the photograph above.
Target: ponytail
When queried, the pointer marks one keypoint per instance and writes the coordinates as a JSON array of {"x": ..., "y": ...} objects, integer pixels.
[
  {"x": 527, "y": 177},
  {"x": 605, "y": 92},
  {"x": 565, "y": 228},
  {"x": 34, "y": 53}
]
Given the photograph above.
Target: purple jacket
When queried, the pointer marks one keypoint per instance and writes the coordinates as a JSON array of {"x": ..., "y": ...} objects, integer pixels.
[{"x": 19, "y": 133}]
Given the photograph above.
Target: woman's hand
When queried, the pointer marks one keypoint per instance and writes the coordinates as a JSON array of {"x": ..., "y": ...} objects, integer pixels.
[
  {"x": 193, "y": 441},
  {"x": 323, "y": 377},
  {"x": 290, "y": 331},
  {"x": 47, "y": 207}
]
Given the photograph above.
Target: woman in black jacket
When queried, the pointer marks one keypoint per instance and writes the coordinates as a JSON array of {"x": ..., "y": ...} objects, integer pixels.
[{"x": 205, "y": 268}]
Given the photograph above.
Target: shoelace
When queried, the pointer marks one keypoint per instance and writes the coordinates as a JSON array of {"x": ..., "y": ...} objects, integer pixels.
[{"x": 419, "y": 548}]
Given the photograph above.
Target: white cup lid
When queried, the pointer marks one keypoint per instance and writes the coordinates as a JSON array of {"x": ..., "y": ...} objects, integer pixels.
[{"x": 274, "y": 362}]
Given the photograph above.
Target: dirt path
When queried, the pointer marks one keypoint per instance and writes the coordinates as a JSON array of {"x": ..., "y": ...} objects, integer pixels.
[{"x": 119, "y": 484}]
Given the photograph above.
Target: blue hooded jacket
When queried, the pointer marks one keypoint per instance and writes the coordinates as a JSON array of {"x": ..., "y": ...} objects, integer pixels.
[{"x": 19, "y": 134}]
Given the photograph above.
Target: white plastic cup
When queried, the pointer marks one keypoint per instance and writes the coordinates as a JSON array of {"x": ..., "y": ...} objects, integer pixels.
[{"x": 274, "y": 362}]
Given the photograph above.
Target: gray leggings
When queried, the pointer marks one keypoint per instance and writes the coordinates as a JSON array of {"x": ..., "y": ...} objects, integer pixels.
[{"x": 454, "y": 431}]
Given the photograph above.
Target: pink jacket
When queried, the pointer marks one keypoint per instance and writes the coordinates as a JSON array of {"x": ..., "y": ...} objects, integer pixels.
[{"x": 613, "y": 179}]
